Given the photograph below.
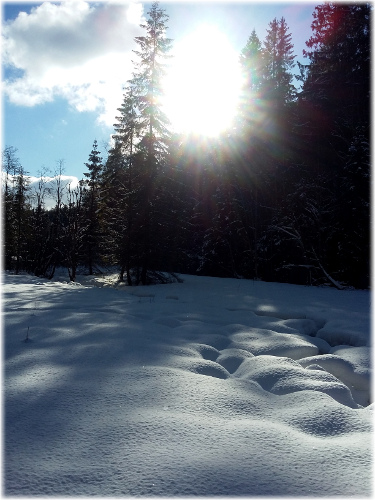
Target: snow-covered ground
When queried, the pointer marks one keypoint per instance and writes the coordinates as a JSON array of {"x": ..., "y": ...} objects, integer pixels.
[{"x": 207, "y": 387}]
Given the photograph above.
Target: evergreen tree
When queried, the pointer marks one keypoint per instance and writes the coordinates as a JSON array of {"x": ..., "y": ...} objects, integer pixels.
[
  {"x": 16, "y": 206},
  {"x": 251, "y": 60},
  {"x": 137, "y": 172},
  {"x": 119, "y": 212},
  {"x": 334, "y": 108},
  {"x": 10, "y": 169},
  {"x": 21, "y": 210},
  {"x": 278, "y": 59},
  {"x": 40, "y": 238},
  {"x": 148, "y": 88},
  {"x": 73, "y": 231},
  {"x": 91, "y": 205},
  {"x": 278, "y": 92},
  {"x": 265, "y": 145},
  {"x": 153, "y": 135},
  {"x": 123, "y": 187},
  {"x": 336, "y": 91},
  {"x": 127, "y": 127},
  {"x": 56, "y": 220}
]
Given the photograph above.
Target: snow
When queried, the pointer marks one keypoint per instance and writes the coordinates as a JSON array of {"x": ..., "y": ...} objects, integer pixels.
[{"x": 207, "y": 387}]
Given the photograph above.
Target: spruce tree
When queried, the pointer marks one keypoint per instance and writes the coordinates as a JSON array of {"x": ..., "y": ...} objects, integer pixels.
[
  {"x": 278, "y": 59},
  {"x": 119, "y": 195},
  {"x": 56, "y": 219},
  {"x": 73, "y": 231},
  {"x": 265, "y": 143},
  {"x": 153, "y": 136},
  {"x": 122, "y": 186},
  {"x": 91, "y": 205},
  {"x": 21, "y": 210},
  {"x": 40, "y": 242},
  {"x": 334, "y": 109},
  {"x": 10, "y": 169},
  {"x": 251, "y": 60},
  {"x": 16, "y": 211}
]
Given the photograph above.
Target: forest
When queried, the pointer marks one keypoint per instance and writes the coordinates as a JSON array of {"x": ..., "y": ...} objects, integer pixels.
[{"x": 283, "y": 195}]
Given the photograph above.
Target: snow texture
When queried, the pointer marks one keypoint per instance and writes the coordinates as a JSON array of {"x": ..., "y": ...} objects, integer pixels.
[{"x": 207, "y": 387}]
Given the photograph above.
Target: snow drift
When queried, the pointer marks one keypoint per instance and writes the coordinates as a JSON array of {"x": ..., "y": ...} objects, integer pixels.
[{"x": 206, "y": 387}]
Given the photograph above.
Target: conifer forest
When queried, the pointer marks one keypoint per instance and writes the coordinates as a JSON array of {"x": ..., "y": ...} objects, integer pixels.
[{"x": 283, "y": 195}]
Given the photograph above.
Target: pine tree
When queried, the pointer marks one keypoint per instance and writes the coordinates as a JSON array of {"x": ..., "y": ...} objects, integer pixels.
[
  {"x": 337, "y": 85},
  {"x": 119, "y": 195},
  {"x": 122, "y": 186},
  {"x": 148, "y": 88},
  {"x": 40, "y": 243},
  {"x": 91, "y": 206},
  {"x": 250, "y": 106},
  {"x": 73, "y": 231},
  {"x": 10, "y": 169},
  {"x": 17, "y": 210},
  {"x": 334, "y": 108},
  {"x": 265, "y": 144},
  {"x": 21, "y": 210},
  {"x": 153, "y": 136},
  {"x": 251, "y": 62},
  {"x": 278, "y": 92},
  {"x": 56, "y": 220},
  {"x": 127, "y": 128},
  {"x": 278, "y": 59}
]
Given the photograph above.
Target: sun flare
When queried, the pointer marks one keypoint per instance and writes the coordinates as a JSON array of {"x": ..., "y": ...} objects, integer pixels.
[{"x": 203, "y": 84}]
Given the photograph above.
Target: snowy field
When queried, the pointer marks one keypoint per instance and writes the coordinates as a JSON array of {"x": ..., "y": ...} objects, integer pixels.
[{"x": 207, "y": 387}]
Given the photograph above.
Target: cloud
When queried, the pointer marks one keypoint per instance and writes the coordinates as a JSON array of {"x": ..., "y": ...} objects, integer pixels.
[
  {"x": 75, "y": 50},
  {"x": 48, "y": 185},
  {"x": 45, "y": 186}
]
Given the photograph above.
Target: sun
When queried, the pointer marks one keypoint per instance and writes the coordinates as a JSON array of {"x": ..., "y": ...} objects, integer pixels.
[{"x": 203, "y": 84}]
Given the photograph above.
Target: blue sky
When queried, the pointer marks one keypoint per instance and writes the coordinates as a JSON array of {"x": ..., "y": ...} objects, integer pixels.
[{"x": 64, "y": 65}]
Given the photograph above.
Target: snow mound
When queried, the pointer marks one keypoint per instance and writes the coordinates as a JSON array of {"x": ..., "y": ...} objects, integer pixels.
[
  {"x": 319, "y": 415},
  {"x": 206, "y": 351},
  {"x": 205, "y": 367},
  {"x": 302, "y": 326},
  {"x": 283, "y": 376},
  {"x": 360, "y": 357},
  {"x": 232, "y": 358},
  {"x": 321, "y": 344},
  {"x": 352, "y": 368},
  {"x": 259, "y": 341},
  {"x": 339, "y": 332}
]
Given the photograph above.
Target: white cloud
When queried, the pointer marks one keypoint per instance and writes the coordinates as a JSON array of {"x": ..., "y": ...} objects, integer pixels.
[
  {"x": 49, "y": 186},
  {"x": 45, "y": 186},
  {"x": 76, "y": 50}
]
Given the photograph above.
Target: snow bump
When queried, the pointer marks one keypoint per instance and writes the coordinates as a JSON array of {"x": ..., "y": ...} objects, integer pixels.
[
  {"x": 260, "y": 341},
  {"x": 283, "y": 376}
]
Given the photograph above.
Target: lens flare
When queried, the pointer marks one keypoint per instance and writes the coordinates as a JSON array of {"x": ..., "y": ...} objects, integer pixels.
[{"x": 203, "y": 85}]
